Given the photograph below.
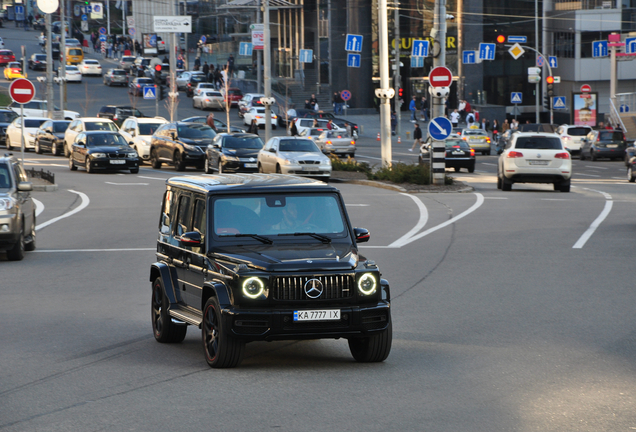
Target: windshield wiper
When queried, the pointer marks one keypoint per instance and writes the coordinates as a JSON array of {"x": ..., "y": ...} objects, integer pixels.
[
  {"x": 320, "y": 237},
  {"x": 254, "y": 236}
]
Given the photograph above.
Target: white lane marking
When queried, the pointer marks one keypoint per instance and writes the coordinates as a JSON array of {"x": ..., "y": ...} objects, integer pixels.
[
  {"x": 555, "y": 199},
  {"x": 43, "y": 165},
  {"x": 488, "y": 163},
  {"x": 595, "y": 167},
  {"x": 376, "y": 158},
  {"x": 357, "y": 205},
  {"x": 127, "y": 184},
  {"x": 153, "y": 178},
  {"x": 420, "y": 223},
  {"x": 82, "y": 206},
  {"x": 587, "y": 175},
  {"x": 619, "y": 178},
  {"x": 94, "y": 250},
  {"x": 478, "y": 203},
  {"x": 597, "y": 222},
  {"x": 39, "y": 207},
  {"x": 504, "y": 198}
]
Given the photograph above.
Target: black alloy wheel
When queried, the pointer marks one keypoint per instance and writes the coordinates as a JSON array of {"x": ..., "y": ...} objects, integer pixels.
[
  {"x": 206, "y": 166},
  {"x": 178, "y": 162},
  {"x": 164, "y": 330},
  {"x": 221, "y": 350},
  {"x": 30, "y": 246},
  {"x": 154, "y": 160}
]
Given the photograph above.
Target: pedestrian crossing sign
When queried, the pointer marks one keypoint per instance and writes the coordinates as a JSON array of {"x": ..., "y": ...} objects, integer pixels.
[
  {"x": 150, "y": 92},
  {"x": 558, "y": 102},
  {"x": 516, "y": 97}
]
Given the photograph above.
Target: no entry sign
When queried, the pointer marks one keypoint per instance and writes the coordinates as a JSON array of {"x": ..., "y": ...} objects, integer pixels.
[
  {"x": 440, "y": 77},
  {"x": 22, "y": 91},
  {"x": 585, "y": 88}
]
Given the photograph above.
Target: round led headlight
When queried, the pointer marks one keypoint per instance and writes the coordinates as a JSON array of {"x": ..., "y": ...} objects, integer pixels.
[
  {"x": 253, "y": 287},
  {"x": 367, "y": 284}
]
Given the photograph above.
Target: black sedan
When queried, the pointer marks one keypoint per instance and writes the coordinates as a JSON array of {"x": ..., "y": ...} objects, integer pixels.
[
  {"x": 6, "y": 118},
  {"x": 180, "y": 144},
  {"x": 101, "y": 150},
  {"x": 237, "y": 152},
  {"x": 220, "y": 126},
  {"x": 50, "y": 137},
  {"x": 604, "y": 143},
  {"x": 37, "y": 62},
  {"x": 136, "y": 87},
  {"x": 458, "y": 155}
]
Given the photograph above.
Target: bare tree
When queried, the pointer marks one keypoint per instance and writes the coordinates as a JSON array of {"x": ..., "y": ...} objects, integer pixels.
[{"x": 227, "y": 99}]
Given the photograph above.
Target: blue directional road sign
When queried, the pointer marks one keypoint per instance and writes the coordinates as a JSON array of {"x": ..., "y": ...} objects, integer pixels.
[
  {"x": 306, "y": 56},
  {"x": 19, "y": 9},
  {"x": 440, "y": 128},
  {"x": 624, "y": 108},
  {"x": 353, "y": 60},
  {"x": 552, "y": 61},
  {"x": 102, "y": 38},
  {"x": 420, "y": 48},
  {"x": 487, "y": 51},
  {"x": 203, "y": 39},
  {"x": 417, "y": 62},
  {"x": 353, "y": 43},
  {"x": 84, "y": 17},
  {"x": 599, "y": 49},
  {"x": 558, "y": 102},
  {"x": 245, "y": 48},
  {"x": 469, "y": 57},
  {"x": 630, "y": 45},
  {"x": 516, "y": 97},
  {"x": 517, "y": 39},
  {"x": 150, "y": 92}
]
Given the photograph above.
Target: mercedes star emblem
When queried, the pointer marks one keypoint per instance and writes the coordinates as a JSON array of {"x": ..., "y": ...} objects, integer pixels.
[{"x": 313, "y": 288}]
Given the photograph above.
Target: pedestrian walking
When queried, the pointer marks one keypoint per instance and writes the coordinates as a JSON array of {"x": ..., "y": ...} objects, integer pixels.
[
  {"x": 293, "y": 130},
  {"x": 470, "y": 119},
  {"x": 253, "y": 129},
  {"x": 495, "y": 130},
  {"x": 206, "y": 70},
  {"x": 454, "y": 118},
  {"x": 210, "y": 122},
  {"x": 393, "y": 122},
  {"x": 417, "y": 136},
  {"x": 424, "y": 107},
  {"x": 505, "y": 126},
  {"x": 413, "y": 109}
]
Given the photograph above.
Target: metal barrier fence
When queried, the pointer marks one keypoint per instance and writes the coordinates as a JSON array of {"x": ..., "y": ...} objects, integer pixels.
[{"x": 41, "y": 174}]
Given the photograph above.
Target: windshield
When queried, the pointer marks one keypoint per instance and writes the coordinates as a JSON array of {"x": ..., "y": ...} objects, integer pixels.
[
  {"x": 7, "y": 117},
  {"x": 148, "y": 128},
  {"x": 279, "y": 215},
  {"x": 474, "y": 132},
  {"x": 101, "y": 140},
  {"x": 539, "y": 143},
  {"x": 456, "y": 144},
  {"x": 119, "y": 72},
  {"x": 71, "y": 68},
  {"x": 243, "y": 143},
  {"x": 195, "y": 131},
  {"x": 611, "y": 136},
  {"x": 145, "y": 81},
  {"x": 578, "y": 131},
  {"x": 297, "y": 145},
  {"x": 98, "y": 126},
  {"x": 32, "y": 123},
  {"x": 5, "y": 178},
  {"x": 60, "y": 126}
]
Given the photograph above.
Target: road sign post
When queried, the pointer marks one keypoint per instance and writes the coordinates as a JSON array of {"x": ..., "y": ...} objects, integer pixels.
[
  {"x": 22, "y": 91},
  {"x": 345, "y": 95}
]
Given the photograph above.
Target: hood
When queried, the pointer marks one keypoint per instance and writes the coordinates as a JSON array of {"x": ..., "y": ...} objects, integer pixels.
[
  {"x": 196, "y": 142},
  {"x": 242, "y": 153},
  {"x": 59, "y": 135},
  {"x": 110, "y": 149},
  {"x": 303, "y": 156},
  {"x": 287, "y": 257}
]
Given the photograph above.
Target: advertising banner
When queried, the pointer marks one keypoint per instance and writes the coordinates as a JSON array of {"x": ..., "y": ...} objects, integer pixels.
[
  {"x": 97, "y": 11},
  {"x": 585, "y": 108}
]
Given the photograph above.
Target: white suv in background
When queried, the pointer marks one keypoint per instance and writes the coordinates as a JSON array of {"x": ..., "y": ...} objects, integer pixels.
[
  {"x": 85, "y": 124},
  {"x": 533, "y": 157},
  {"x": 139, "y": 131},
  {"x": 572, "y": 136}
]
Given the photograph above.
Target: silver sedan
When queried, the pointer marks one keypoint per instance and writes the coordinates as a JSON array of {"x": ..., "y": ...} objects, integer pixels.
[
  {"x": 293, "y": 155},
  {"x": 208, "y": 100},
  {"x": 337, "y": 142}
]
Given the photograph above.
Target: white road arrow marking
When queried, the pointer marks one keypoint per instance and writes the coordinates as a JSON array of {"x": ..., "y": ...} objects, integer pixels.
[{"x": 82, "y": 206}]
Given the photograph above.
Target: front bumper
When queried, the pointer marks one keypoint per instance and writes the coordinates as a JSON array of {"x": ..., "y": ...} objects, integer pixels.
[
  {"x": 240, "y": 166},
  {"x": 9, "y": 231},
  {"x": 306, "y": 170},
  {"x": 279, "y": 324},
  {"x": 105, "y": 163}
]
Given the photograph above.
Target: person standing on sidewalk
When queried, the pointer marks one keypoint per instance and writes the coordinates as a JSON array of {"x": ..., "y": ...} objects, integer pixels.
[
  {"x": 424, "y": 108},
  {"x": 417, "y": 136},
  {"x": 413, "y": 109},
  {"x": 454, "y": 118}
]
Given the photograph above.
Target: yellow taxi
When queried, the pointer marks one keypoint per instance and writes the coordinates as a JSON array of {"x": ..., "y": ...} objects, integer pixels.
[
  {"x": 477, "y": 139},
  {"x": 74, "y": 55},
  {"x": 13, "y": 71}
]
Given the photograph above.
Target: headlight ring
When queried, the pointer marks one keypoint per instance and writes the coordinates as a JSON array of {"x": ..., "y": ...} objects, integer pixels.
[
  {"x": 253, "y": 287},
  {"x": 367, "y": 284}
]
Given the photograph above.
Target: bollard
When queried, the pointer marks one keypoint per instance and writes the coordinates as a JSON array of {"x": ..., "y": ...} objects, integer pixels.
[
  {"x": 408, "y": 134},
  {"x": 399, "y": 140}
]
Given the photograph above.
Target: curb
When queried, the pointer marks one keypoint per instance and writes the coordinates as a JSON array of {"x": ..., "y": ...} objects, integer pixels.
[
  {"x": 45, "y": 188},
  {"x": 389, "y": 186}
]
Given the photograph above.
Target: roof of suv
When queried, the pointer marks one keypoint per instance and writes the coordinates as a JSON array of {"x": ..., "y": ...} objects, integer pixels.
[{"x": 247, "y": 182}]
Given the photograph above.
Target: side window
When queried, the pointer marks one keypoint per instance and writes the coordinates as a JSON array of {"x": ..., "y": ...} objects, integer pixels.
[
  {"x": 166, "y": 212},
  {"x": 199, "y": 220},
  {"x": 183, "y": 217}
]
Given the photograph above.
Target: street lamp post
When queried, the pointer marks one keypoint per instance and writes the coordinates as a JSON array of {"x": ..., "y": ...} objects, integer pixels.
[{"x": 384, "y": 93}]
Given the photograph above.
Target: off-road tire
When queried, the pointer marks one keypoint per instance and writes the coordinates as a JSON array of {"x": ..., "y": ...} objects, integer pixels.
[
  {"x": 220, "y": 348},
  {"x": 374, "y": 348},
  {"x": 164, "y": 330}
]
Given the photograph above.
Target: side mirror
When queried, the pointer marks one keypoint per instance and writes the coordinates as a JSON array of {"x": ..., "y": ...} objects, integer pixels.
[
  {"x": 131, "y": 143},
  {"x": 272, "y": 150},
  {"x": 192, "y": 238},
  {"x": 174, "y": 136},
  {"x": 362, "y": 235},
  {"x": 217, "y": 146},
  {"x": 25, "y": 186}
]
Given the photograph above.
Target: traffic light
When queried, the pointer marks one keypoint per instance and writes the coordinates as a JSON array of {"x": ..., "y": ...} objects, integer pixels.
[
  {"x": 400, "y": 92},
  {"x": 162, "y": 92},
  {"x": 546, "y": 102},
  {"x": 550, "y": 91},
  {"x": 549, "y": 80},
  {"x": 501, "y": 39},
  {"x": 158, "y": 74}
]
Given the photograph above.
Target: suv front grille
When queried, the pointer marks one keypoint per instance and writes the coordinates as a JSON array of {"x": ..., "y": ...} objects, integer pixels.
[
  {"x": 293, "y": 287},
  {"x": 309, "y": 162}
]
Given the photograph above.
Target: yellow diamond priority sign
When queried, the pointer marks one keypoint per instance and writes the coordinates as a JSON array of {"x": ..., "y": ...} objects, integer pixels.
[{"x": 516, "y": 51}]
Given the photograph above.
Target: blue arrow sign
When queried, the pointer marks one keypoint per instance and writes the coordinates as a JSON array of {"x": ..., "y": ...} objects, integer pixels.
[
  {"x": 19, "y": 9},
  {"x": 420, "y": 48},
  {"x": 630, "y": 45},
  {"x": 517, "y": 39},
  {"x": 516, "y": 97},
  {"x": 353, "y": 43},
  {"x": 353, "y": 60},
  {"x": 558, "y": 102},
  {"x": 552, "y": 61},
  {"x": 245, "y": 48},
  {"x": 84, "y": 17},
  {"x": 469, "y": 57},
  {"x": 417, "y": 62},
  {"x": 487, "y": 51},
  {"x": 150, "y": 92},
  {"x": 306, "y": 56},
  {"x": 102, "y": 38},
  {"x": 599, "y": 49},
  {"x": 440, "y": 128},
  {"x": 624, "y": 108}
]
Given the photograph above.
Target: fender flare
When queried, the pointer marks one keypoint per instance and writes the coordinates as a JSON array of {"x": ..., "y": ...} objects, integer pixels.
[
  {"x": 386, "y": 289},
  {"x": 220, "y": 291},
  {"x": 165, "y": 272}
]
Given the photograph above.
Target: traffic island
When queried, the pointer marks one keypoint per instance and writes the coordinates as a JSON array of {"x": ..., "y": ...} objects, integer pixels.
[{"x": 43, "y": 181}]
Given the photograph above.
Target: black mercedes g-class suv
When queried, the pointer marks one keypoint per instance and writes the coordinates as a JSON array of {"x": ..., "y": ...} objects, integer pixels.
[{"x": 264, "y": 257}]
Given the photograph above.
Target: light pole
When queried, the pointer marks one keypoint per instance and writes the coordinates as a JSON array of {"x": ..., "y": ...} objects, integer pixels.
[
  {"x": 439, "y": 36},
  {"x": 267, "y": 71},
  {"x": 384, "y": 93}
]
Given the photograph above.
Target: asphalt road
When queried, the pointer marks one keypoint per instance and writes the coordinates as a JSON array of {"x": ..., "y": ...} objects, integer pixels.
[{"x": 512, "y": 311}]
